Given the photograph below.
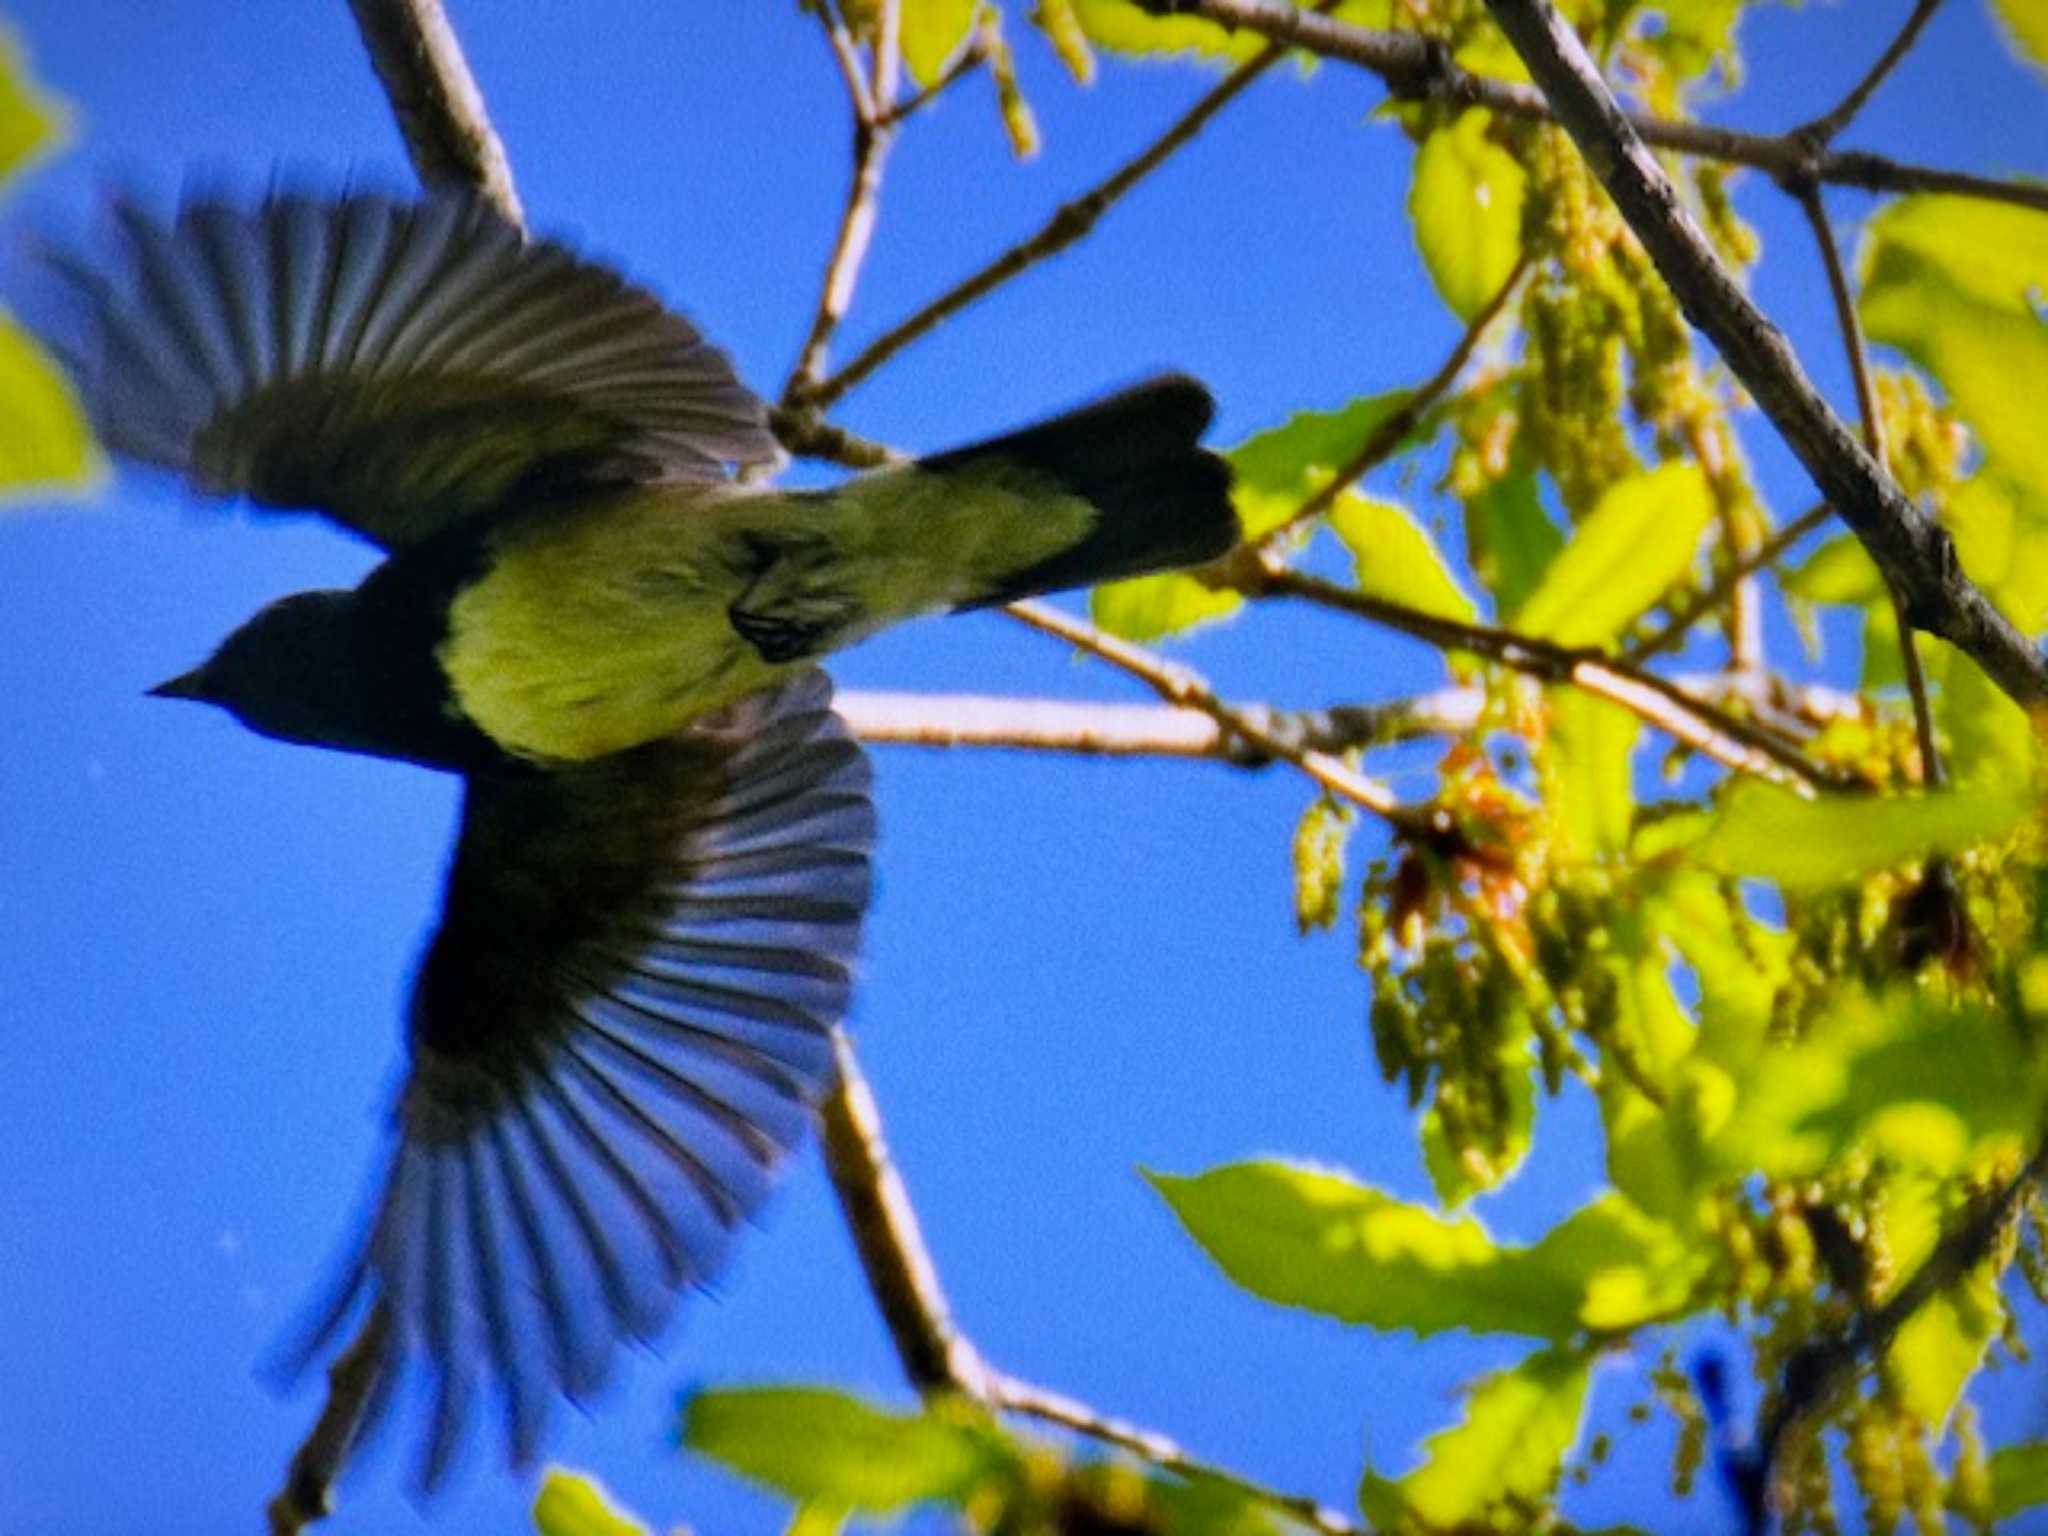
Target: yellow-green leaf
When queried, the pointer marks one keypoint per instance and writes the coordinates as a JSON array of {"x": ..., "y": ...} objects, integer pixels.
[
  {"x": 44, "y": 441},
  {"x": 1955, "y": 283},
  {"x": 1396, "y": 559},
  {"x": 1938, "y": 1349},
  {"x": 823, "y": 1447},
  {"x": 1638, "y": 539},
  {"x": 1506, "y": 1455},
  {"x": 1315, "y": 1239},
  {"x": 1840, "y": 571},
  {"x": 2019, "y": 1478},
  {"x": 2026, "y": 23},
  {"x": 1122, "y": 27},
  {"x": 570, "y": 1504},
  {"x": 1588, "y": 773},
  {"x": 31, "y": 122},
  {"x": 933, "y": 31},
  {"x": 1153, "y": 607},
  {"x": 1766, "y": 833},
  {"x": 1989, "y": 737},
  {"x": 1466, "y": 208}
]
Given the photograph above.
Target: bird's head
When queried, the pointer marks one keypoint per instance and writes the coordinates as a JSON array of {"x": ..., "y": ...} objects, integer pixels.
[{"x": 284, "y": 674}]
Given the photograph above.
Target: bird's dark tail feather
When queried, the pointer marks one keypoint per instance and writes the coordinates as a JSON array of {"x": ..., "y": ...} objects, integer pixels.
[{"x": 1161, "y": 500}]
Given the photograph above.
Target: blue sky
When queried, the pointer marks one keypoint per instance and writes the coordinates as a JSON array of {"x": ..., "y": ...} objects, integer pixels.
[{"x": 1074, "y": 968}]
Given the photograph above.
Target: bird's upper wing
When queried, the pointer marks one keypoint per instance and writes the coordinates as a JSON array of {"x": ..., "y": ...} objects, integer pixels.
[
  {"x": 618, "y": 1030},
  {"x": 399, "y": 366}
]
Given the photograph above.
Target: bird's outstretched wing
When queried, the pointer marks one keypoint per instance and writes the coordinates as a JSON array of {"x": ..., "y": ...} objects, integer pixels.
[
  {"x": 399, "y": 366},
  {"x": 616, "y": 1033}
]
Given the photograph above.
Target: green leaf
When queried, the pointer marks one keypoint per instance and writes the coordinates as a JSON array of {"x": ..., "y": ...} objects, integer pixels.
[
  {"x": 1838, "y": 572},
  {"x": 1658, "y": 1107},
  {"x": 1938, "y": 1349},
  {"x": 1765, "y": 833},
  {"x": 1121, "y": 27},
  {"x": 1926, "y": 1085},
  {"x": 44, "y": 440},
  {"x": 1466, "y": 207},
  {"x": 932, "y": 32},
  {"x": 570, "y": 1504},
  {"x": 2019, "y": 1478},
  {"x": 1148, "y": 608},
  {"x": 1511, "y": 539},
  {"x": 1396, "y": 559},
  {"x": 2002, "y": 541},
  {"x": 1588, "y": 774},
  {"x": 1509, "y": 1449},
  {"x": 1989, "y": 738},
  {"x": 824, "y": 1447},
  {"x": 1309, "y": 1238},
  {"x": 1954, "y": 283},
  {"x": 31, "y": 123},
  {"x": 1628, "y": 550},
  {"x": 2026, "y": 23}
]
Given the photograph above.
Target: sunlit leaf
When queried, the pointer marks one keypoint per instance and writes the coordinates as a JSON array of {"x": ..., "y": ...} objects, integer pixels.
[
  {"x": 826, "y": 1448},
  {"x": 933, "y": 31},
  {"x": 1625, "y": 554},
  {"x": 1659, "y": 1108},
  {"x": 570, "y": 1504},
  {"x": 1766, "y": 833},
  {"x": 31, "y": 122},
  {"x": 2019, "y": 1478},
  {"x": 1838, "y": 572},
  {"x": 1310, "y": 1238},
  {"x": 1511, "y": 539},
  {"x": 2002, "y": 542},
  {"x": 44, "y": 441},
  {"x": 1153, "y": 607},
  {"x": 1122, "y": 27},
  {"x": 1938, "y": 1349},
  {"x": 1956, "y": 283},
  {"x": 1930, "y": 1085},
  {"x": 1465, "y": 205},
  {"x": 1989, "y": 737},
  {"x": 1508, "y": 1450},
  {"x": 2026, "y": 23},
  {"x": 1396, "y": 559},
  {"x": 1588, "y": 775}
]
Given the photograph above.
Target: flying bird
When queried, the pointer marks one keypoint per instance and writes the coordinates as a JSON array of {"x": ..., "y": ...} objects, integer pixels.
[{"x": 623, "y": 1016}]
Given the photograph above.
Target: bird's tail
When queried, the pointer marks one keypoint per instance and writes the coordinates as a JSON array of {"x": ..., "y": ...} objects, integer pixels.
[{"x": 1159, "y": 499}]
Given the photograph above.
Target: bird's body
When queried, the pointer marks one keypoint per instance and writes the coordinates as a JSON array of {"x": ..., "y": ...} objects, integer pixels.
[{"x": 663, "y": 862}]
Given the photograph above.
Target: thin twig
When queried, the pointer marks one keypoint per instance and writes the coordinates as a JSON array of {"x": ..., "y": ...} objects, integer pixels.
[
  {"x": 351, "y": 1382},
  {"x": 1022, "y": 1397},
  {"x": 1419, "y": 68},
  {"x": 934, "y": 1354},
  {"x": 1823, "y": 130},
  {"x": 1386, "y": 438},
  {"x": 1703, "y": 726},
  {"x": 872, "y": 139},
  {"x": 435, "y": 98},
  {"x": 1912, "y": 550},
  {"x": 1672, "y": 631},
  {"x": 1851, "y": 327},
  {"x": 1069, "y": 223},
  {"x": 1177, "y": 685},
  {"x": 970, "y": 57}
]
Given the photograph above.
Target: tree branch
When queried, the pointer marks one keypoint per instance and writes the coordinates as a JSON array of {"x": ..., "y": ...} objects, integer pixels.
[
  {"x": 1179, "y": 686},
  {"x": 1420, "y": 69},
  {"x": 435, "y": 98},
  {"x": 1823, "y": 130},
  {"x": 351, "y": 1382},
  {"x": 1704, "y": 727},
  {"x": 1068, "y": 224},
  {"x": 1913, "y": 552}
]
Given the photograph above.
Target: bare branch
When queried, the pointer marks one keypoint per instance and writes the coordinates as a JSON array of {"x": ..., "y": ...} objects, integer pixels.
[
  {"x": 1417, "y": 68},
  {"x": 1822, "y": 131},
  {"x": 1148, "y": 730},
  {"x": 1703, "y": 726},
  {"x": 1915, "y": 553},
  {"x": 439, "y": 109},
  {"x": 934, "y": 1354},
  {"x": 351, "y": 1381},
  {"x": 1851, "y": 327},
  {"x": 1068, "y": 224},
  {"x": 1177, "y": 685}
]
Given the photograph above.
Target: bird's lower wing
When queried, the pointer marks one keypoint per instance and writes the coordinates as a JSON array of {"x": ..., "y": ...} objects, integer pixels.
[{"x": 618, "y": 1031}]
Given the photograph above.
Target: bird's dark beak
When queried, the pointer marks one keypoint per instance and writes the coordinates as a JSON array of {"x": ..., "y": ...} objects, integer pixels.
[{"x": 186, "y": 685}]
